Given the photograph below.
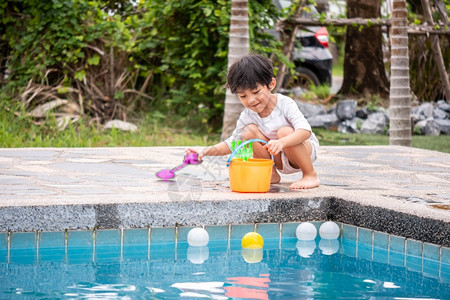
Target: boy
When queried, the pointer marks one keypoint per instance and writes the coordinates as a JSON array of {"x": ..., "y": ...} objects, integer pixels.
[{"x": 274, "y": 118}]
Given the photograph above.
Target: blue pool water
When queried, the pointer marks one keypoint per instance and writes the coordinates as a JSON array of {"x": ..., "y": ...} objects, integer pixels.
[{"x": 283, "y": 269}]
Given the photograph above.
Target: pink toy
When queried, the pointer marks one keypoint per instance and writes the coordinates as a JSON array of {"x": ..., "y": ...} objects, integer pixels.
[{"x": 189, "y": 159}]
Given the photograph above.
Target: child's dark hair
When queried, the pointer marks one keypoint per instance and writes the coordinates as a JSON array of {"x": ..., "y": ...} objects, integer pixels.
[{"x": 249, "y": 71}]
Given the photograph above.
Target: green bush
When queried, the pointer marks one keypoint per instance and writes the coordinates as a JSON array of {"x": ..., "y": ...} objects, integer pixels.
[{"x": 112, "y": 57}]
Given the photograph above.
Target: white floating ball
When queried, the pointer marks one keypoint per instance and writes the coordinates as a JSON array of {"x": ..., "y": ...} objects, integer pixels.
[
  {"x": 329, "y": 247},
  {"x": 198, "y": 237},
  {"x": 305, "y": 248},
  {"x": 329, "y": 230},
  {"x": 306, "y": 231},
  {"x": 197, "y": 255}
]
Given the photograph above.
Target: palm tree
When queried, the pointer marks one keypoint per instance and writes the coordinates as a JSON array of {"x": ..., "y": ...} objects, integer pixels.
[
  {"x": 364, "y": 70},
  {"x": 400, "y": 99},
  {"x": 238, "y": 45}
]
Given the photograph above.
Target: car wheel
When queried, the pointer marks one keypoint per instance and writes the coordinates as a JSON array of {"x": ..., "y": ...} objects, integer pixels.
[{"x": 304, "y": 79}]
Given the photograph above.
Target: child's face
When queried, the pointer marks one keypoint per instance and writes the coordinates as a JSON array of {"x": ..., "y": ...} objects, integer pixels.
[{"x": 256, "y": 99}]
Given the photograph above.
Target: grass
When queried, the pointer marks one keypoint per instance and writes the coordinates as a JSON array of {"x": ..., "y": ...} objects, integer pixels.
[
  {"x": 338, "y": 67},
  {"x": 333, "y": 138},
  {"x": 19, "y": 131}
]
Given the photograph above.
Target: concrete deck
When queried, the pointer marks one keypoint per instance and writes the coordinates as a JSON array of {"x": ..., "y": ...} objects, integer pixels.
[{"x": 398, "y": 190}]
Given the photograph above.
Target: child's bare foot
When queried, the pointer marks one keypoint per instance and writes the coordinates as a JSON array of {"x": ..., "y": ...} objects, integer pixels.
[
  {"x": 307, "y": 182},
  {"x": 275, "y": 178}
]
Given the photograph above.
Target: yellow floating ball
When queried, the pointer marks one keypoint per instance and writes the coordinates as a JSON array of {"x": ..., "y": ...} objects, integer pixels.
[{"x": 252, "y": 240}]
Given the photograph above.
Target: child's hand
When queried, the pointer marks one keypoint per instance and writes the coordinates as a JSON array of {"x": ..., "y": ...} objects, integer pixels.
[
  {"x": 274, "y": 147},
  {"x": 199, "y": 155}
]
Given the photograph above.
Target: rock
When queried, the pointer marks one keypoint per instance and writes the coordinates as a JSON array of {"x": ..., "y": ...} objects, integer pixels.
[
  {"x": 346, "y": 109},
  {"x": 428, "y": 127},
  {"x": 332, "y": 110},
  {"x": 324, "y": 121},
  {"x": 362, "y": 113},
  {"x": 426, "y": 109},
  {"x": 444, "y": 125},
  {"x": 429, "y": 118},
  {"x": 375, "y": 124},
  {"x": 298, "y": 91},
  {"x": 310, "y": 110},
  {"x": 439, "y": 114},
  {"x": 42, "y": 110},
  {"x": 349, "y": 126},
  {"x": 122, "y": 125},
  {"x": 417, "y": 117},
  {"x": 445, "y": 106}
]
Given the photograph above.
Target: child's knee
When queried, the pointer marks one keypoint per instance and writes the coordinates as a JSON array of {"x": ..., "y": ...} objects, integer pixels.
[
  {"x": 284, "y": 131},
  {"x": 250, "y": 131}
]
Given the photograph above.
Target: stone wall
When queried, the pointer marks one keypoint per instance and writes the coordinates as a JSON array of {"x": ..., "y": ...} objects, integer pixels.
[{"x": 430, "y": 118}]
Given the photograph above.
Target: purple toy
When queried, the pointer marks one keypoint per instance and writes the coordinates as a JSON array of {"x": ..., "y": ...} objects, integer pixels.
[{"x": 189, "y": 159}]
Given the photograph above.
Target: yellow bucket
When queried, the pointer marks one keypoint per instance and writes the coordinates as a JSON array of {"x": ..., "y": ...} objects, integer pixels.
[{"x": 252, "y": 176}]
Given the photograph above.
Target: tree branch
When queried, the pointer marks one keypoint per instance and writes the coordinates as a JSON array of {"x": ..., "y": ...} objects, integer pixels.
[{"x": 412, "y": 29}]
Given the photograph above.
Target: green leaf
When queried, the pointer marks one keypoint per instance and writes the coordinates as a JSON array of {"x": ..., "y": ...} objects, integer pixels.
[
  {"x": 119, "y": 95},
  {"x": 62, "y": 90},
  {"x": 94, "y": 60},
  {"x": 79, "y": 75},
  {"x": 207, "y": 11}
]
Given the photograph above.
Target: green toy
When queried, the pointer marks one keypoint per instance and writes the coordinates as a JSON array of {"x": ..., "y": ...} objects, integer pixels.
[{"x": 245, "y": 152}]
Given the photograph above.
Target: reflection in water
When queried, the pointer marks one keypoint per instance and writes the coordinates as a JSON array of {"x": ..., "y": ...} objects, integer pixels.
[
  {"x": 329, "y": 247},
  {"x": 252, "y": 255},
  {"x": 248, "y": 287},
  {"x": 306, "y": 248},
  {"x": 212, "y": 290},
  {"x": 197, "y": 255}
]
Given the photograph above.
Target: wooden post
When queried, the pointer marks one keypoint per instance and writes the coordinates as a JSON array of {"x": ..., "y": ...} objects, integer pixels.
[{"x": 437, "y": 50}]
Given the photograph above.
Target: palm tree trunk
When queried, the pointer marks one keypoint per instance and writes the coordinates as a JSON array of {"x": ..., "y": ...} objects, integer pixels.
[
  {"x": 400, "y": 98},
  {"x": 238, "y": 45}
]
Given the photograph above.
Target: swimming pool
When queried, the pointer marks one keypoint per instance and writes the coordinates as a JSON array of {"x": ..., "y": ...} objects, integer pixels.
[{"x": 158, "y": 263}]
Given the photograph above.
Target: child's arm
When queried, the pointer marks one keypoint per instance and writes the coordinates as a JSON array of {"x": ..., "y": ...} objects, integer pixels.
[
  {"x": 216, "y": 150},
  {"x": 297, "y": 137}
]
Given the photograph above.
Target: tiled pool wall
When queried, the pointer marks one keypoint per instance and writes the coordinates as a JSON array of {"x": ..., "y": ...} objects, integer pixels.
[
  {"x": 198, "y": 213},
  {"x": 354, "y": 241}
]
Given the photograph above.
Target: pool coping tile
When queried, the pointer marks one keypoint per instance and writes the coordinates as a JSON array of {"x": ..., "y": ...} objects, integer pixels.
[
  {"x": 239, "y": 230},
  {"x": 23, "y": 240},
  {"x": 365, "y": 236},
  {"x": 159, "y": 235},
  {"x": 52, "y": 239},
  {"x": 380, "y": 240},
  {"x": 431, "y": 251},
  {"x": 80, "y": 238},
  {"x": 135, "y": 236},
  {"x": 396, "y": 244},
  {"x": 414, "y": 248},
  {"x": 4, "y": 240},
  {"x": 108, "y": 237},
  {"x": 218, "y": 232},
  {"x": 445, "y": 255},
  {"x": 350, "y": 232}
]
